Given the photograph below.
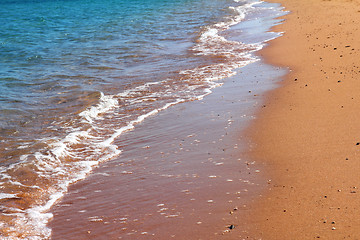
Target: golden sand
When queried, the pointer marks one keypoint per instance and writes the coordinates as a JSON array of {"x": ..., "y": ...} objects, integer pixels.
[{"x": 308, "y": 135}]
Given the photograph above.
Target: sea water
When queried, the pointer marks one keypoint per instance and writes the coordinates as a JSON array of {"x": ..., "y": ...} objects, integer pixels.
[{"x": 75, "y": 75}]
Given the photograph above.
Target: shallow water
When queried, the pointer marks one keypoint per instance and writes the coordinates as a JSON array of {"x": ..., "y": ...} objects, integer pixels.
[
  {"x": 181, "y": 174},
  {"x": 76, "y": 75}
]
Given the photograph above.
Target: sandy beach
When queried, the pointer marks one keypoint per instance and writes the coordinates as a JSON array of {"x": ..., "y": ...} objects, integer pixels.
[
  {"x": 292, "y": 175},
  {"x": 163, "y": 120},
  {"x": 307, "y": 133}
]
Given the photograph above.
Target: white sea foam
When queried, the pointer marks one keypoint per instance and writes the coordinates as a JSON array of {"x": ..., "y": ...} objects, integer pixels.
[
  {"x": 106, "y": 104},
  {"x": 7, "y": 195}
]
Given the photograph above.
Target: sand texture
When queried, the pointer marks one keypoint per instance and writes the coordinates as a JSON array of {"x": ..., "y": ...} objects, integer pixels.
[{"x": 308, "y": 132}]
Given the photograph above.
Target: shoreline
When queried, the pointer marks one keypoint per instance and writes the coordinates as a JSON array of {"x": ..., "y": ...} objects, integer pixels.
[
  {"x": 307, "y": 135},
  {"x": 183, "y": 173},
  {"x": 189, "y": 180},
  {"x": 112, "y": 101}
]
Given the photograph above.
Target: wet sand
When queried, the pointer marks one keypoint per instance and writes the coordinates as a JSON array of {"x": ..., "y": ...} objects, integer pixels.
[
  {"x": 307, "y": 136},
  {"x": 183, "y": 174}
]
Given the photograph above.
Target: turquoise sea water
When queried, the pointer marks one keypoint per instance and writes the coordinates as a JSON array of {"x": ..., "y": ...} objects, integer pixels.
[
  {"x": 58, "y": 51},
  {"x": 74, "y": 75}
]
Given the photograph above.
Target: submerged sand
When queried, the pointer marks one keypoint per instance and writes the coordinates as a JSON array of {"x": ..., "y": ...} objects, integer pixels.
[
  {"x": 183, "y": 174},
  {"x": 308, "y": 132}
]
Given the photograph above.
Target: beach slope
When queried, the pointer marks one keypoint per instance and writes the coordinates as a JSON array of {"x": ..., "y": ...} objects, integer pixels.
[{"x": 308, "y": 132}]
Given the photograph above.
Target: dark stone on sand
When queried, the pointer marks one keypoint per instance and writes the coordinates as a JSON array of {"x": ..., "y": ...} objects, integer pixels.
[
  {"x": 231, "y": 227},
  {"x": 357, "y": 144}
]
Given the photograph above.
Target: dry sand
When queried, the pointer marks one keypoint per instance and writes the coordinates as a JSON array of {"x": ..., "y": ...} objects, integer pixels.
[{"x": 308, "y": 132}]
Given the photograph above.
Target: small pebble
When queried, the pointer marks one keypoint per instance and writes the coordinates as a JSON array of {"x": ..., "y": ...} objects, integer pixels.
[
  {"x": 231, "y": 227},
  {"x": 226, "y": 231}
]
